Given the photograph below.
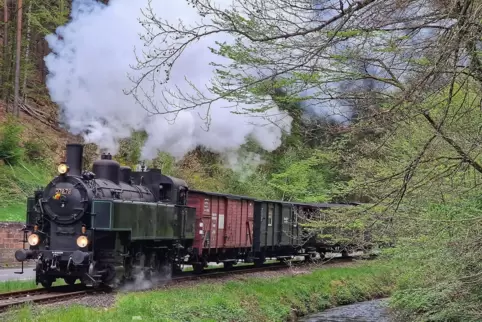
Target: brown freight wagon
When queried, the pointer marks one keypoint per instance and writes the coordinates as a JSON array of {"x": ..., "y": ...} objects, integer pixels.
[{"x": 224, "y": 226}]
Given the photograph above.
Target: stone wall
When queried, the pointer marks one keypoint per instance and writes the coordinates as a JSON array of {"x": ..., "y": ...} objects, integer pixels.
[{"x": 10, "y": 240}]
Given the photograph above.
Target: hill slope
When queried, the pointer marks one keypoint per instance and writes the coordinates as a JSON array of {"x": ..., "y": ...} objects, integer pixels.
[{"x": 40, "y": 148}]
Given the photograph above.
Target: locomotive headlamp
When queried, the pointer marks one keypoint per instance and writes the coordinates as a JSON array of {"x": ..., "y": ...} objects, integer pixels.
[
  {"x": 33, "y": 240},
  {"x": 82, "y": 241},
  {"x": 63, "y": 168}
]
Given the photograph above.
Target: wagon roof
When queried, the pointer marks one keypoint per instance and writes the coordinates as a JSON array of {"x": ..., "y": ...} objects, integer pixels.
[
  {"x": 227, "y": 195},
  {"x": 295, "y": 203},
  {"x": 315, "y": 205}
]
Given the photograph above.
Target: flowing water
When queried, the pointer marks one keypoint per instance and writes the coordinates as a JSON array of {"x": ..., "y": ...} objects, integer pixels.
[{"x": 369, "y": 311}]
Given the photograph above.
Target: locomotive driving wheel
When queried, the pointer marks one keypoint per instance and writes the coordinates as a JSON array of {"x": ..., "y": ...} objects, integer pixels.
[
  {"x": 47, "y": 283},
  {"x": 44, "y": 280}
]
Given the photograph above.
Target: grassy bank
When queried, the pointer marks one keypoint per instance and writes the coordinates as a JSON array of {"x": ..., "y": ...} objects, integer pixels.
[
  {"x": 253, "y": 299},
  {"x": 16, "y": 184},
  {"x": 25, "y": 165}
]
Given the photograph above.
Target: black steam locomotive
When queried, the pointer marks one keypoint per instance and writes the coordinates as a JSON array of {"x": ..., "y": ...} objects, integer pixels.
[{"x": 106, "y": 225}]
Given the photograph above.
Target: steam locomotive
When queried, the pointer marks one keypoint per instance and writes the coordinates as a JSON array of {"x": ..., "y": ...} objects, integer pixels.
[
  {"x": 107, "y": 225},
  {"x": 101, "y": 226}
]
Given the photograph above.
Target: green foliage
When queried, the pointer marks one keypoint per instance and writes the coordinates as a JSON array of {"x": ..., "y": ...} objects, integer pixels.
[
  {"x": 165, "y": 162},
  {"x": 436, "y": 225},
  {"x": 23, "y": 169},
  {"x": 16, "y": 184},
  {"x": 10, "y": 138},
  {"x": 441, "y": 281},
  {"x": 360, "y": 227},
  {"x": 130, "y": 149},
  {"x": 255, "y": 299},
  {"x": 345, "y": 34},
  {"x": 48, "y": 15},
  {"x": 303, "y": 179},
  {"x": 34, "y": 150}
]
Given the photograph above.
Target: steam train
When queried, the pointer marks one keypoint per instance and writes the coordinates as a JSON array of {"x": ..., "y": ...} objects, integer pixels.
[{"x": 107, "y": 225}]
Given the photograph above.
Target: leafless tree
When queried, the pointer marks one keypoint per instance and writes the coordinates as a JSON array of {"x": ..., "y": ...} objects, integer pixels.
[
  {"x": 329, "y": 47},
  {"x": 16, "y": 107}
]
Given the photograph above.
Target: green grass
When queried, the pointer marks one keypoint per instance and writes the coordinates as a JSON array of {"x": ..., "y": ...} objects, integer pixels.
[
  {"x": 16, "y": 184},
  {"x": 253, "y": 299},
  {"x": 10, "y": 286}
]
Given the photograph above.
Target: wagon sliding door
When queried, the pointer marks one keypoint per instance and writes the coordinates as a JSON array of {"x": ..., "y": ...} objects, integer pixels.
[
  {"x": 270, "y": 225},
  {"x": 277, "y": 224},
  {"x": 294, "y": 225},
  {"x": 286, "y": 231}
]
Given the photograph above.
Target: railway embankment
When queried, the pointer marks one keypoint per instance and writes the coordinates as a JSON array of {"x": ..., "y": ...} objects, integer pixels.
[{"x": 270, "y": 297}]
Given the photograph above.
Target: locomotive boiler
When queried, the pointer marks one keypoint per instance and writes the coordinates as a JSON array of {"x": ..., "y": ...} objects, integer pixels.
[{"x": 106, "y": 225}]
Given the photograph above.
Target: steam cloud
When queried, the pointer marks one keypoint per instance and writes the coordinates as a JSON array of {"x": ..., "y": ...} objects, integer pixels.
[
  {"x": 142, "y": 282},
  {"x": 88, "y": 69}
]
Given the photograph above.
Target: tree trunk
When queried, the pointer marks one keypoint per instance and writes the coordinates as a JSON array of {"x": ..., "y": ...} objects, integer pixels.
[
  {"x": 16, "y": 99},
  {"x": 5, "y": 52},
  {"x": 27, "y": 52}
]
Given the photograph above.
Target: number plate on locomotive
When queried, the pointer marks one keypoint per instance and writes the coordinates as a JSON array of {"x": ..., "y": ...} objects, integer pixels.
[{"x": 64, "y": 191}]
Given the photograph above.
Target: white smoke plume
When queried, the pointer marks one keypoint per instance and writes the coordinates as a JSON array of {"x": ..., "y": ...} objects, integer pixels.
[
  {"x": 141, "y": 282},
  {"x": 88, "y": 71},
  {"x": 245, "y": 164}
]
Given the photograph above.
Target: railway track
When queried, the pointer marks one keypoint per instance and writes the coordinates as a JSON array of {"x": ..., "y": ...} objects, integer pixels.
[
  {"x": 42, "y": 295},
  {"x": 67, "y": 292}
]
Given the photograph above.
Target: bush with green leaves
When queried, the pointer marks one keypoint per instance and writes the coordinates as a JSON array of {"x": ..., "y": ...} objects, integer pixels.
[
  {"x": 11, "y": 151},
  {"x": 34, "y": 150}
]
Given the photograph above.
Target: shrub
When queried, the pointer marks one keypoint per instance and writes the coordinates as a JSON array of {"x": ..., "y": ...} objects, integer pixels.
[
  {"x": 34, "y": 150},
  {"x": 10, "y": 150}
]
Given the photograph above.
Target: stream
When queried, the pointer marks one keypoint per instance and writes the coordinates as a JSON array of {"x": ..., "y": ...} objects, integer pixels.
[{"x": 369, "y": 311}]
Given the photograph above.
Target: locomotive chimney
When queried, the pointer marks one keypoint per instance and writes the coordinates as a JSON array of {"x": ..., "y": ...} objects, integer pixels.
[
  {"x": 74, "y": 158},
  {"x": 107, "y": 156}
]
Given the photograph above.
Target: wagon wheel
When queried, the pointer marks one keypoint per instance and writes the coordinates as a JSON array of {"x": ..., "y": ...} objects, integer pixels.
[
  {"x": 258, "y": 261},
  {"x": 198, "y": 268},
  {"x": 228, "y": 265},
  {"x": 70, "y": 280}
]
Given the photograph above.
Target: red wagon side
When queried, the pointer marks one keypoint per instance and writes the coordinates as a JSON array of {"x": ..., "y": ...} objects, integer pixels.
[{"x": 224, "y": 226}]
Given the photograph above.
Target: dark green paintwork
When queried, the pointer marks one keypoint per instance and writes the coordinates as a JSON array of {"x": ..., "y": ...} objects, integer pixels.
[{"x": 145, "y": 220}]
